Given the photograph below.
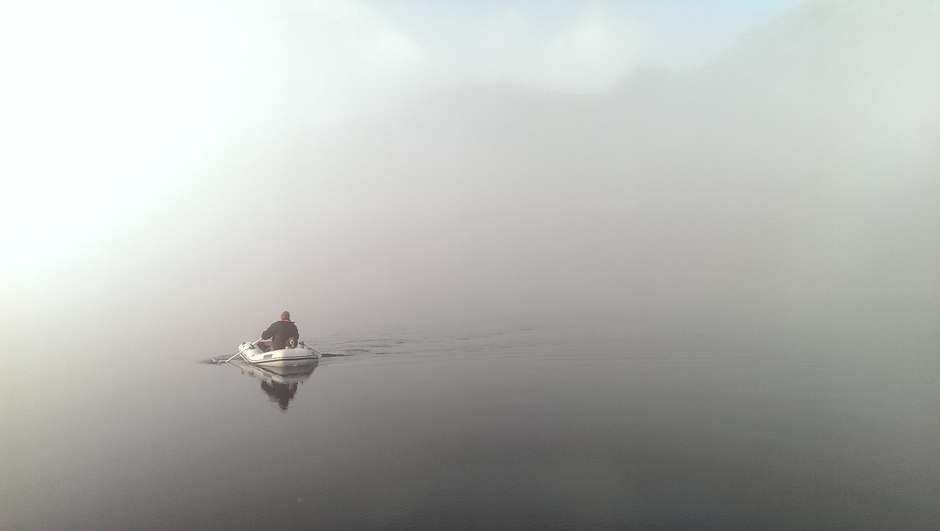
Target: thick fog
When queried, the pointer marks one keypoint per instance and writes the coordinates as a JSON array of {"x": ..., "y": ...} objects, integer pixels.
[{"x": 191, "y": 172}]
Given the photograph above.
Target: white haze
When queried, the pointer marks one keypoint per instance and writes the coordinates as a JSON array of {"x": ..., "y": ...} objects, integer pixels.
[{"x": 190, "y": 171}]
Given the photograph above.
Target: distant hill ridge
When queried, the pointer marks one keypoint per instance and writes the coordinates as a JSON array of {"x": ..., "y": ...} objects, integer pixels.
[{"x": 801, "y": 164}]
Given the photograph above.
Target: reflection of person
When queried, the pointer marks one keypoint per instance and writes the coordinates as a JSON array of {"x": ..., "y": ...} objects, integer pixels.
[
  {"x": 280, "y": 392},
  {"x": 280, "y": 332}
]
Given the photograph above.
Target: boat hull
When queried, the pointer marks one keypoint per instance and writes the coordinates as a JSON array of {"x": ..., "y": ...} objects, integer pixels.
[{"x": 301, "y": 356}]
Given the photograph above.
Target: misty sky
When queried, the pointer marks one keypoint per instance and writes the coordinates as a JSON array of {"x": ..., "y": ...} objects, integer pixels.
[
  {"x": 139, "y": 134},
  {"x": 111, "y": 103}
]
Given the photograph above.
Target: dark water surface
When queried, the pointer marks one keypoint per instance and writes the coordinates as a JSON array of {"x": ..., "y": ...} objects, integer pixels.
[{"x": 599, "y": 424}]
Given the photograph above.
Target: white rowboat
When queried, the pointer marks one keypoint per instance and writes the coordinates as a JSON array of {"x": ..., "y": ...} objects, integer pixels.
[{"x": 299, "y": 356}]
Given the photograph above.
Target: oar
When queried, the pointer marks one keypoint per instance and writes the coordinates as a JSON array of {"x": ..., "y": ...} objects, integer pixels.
[{"x": 237, "y": 353}]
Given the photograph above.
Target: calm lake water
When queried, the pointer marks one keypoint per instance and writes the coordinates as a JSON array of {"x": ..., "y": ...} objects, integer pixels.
[{"x": 628, "y": 422}]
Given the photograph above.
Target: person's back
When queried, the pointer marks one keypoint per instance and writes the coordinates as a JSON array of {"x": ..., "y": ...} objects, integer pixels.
[{"x": 280, "y": 332}]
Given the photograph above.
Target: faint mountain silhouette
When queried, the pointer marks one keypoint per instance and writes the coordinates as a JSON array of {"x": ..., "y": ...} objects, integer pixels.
[
  {"x": 771, "y": 172},
  {"x": 800, "y": 167}
]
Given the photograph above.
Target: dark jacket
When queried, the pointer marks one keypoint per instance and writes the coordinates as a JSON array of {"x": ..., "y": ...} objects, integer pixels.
[{"x": 280, "y": 331}]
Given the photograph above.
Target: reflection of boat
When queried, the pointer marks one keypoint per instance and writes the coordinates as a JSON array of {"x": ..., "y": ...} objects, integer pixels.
[
  {"x": 258, "y": 354},
  {"x": 279, "y": 383}
]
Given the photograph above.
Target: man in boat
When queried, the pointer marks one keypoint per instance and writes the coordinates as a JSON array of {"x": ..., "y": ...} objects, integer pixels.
[{"x": 282, "y": 332}]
